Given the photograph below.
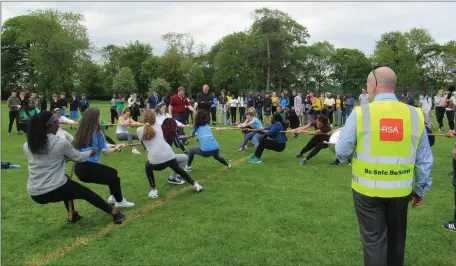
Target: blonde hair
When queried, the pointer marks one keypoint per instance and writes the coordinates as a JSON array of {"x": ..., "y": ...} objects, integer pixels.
[
  {"x": 126, "y": 110},
  {"x": 149, "y": 120},
  {"x": 252, "y": 110}
]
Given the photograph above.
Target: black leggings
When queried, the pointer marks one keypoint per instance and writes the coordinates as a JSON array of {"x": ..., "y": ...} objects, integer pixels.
[
  {"x": 13, "y": 115},
  {"x": 269, "y": 144},
  {"x": 114, "y": 115},
  {"x": 439, "y": 113},
  {"x": 214, "y": 114},
  {"x": 72, "y": 190},
  {"x": 316, "y": 145},
  {"x": 330, "y": 116},
  {"x": 96, "y": 173},
  {"x": 450, "y": 117},
  {"x": 177, "y": 143},
  {"x": 173, "y": 164},
  {"x": 233, "y": 111}
]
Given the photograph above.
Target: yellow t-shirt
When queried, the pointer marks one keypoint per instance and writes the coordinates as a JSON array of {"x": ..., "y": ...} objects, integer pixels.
[
  {"x": 317, "y": 104},
  {"x": 275, "y": 101},
  {"x": 338, "y": 103},
  {"x": 228, "y": 98}
]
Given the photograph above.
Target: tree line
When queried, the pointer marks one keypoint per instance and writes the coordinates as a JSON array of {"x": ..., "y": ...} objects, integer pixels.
[{"x": 50, "y": 51}]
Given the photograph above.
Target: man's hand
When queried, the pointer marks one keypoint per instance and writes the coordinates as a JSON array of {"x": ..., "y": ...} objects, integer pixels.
[
  {"x": 416, "y": 200},
  {"x": 450, "y": 134}
]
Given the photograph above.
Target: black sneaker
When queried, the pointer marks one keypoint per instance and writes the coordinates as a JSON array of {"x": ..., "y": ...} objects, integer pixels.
[
  {"x": 118, "y": 218},
  {"x": 175, "y": 181},
  {"x": 336, "y": 162},
  {"x": 76, "y": 217},
  {"x": 241, "y": 150},
  {"x": 451, "y": 226},
  {"x": 298, "y": 155}
]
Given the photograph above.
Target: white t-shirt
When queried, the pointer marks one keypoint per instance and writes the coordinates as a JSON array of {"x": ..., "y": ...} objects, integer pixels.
[
  {"x": 130, "y": 101},
  {"x": 64, "y": 120},
  {"x": 233, "y": 102},
  {"x": 241, "y": 101},
  {"x": 363, "y": 99},
  {"x": 158, "y": 151},
  {"x": 161, "y": 118},
  {"x": 426, "y": 103},
  {"x": 330, "y": 102},
  {"x": 122, "y": 129}
]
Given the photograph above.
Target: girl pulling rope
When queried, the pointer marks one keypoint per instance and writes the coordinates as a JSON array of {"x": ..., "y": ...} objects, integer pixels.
[
  {"x": 90, "y": 136},
  {"x": 46, "y": 154},
  {"x": 160, "y": 155}
]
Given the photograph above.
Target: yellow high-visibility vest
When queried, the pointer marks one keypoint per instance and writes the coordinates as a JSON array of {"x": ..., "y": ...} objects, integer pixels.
[
  {"x": 317, "y": 104},
  {"x": 388, "y": 136}
]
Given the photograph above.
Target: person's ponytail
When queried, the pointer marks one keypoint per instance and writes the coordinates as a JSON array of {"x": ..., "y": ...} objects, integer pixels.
[
  {"x": 37, "y": 139},
  {"x": 149, "y": 132}
]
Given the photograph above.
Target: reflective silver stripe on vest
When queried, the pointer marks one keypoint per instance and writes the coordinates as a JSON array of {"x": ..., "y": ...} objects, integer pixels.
[
  {"x": 382, "y": 184},
  {"x": 367, "y": 157}
]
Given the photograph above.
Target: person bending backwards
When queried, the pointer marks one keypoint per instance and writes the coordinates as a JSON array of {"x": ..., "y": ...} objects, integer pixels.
[
  {"x": 90, "y": 136},
  {"x": 316, "y": 143},
  {"x": 208, "y": 145},
  {"x": 46, "y": 154},
  {"x": 276, "y": 143},
  {"x": 160, "y": 155},
  {"x": 251, "y": 122}
]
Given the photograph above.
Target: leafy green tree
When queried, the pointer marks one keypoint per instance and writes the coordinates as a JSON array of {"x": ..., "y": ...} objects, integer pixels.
[
  {"x": 351, "y": 67},
  {"x": 124, "y": 81},
  {"x": 160, "y": 85}
]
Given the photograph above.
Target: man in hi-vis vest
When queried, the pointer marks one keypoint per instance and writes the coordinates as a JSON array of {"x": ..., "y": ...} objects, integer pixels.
[{"x": 392, "y": 162}]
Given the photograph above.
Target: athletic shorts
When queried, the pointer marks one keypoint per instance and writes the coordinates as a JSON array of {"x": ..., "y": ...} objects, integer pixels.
[
  {"x": 74, "y": 114},
  {"x": 298, "y": 111}
]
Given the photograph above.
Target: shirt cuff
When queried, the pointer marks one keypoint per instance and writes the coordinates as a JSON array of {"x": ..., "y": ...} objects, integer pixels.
[{"x": 421, "y": 189}]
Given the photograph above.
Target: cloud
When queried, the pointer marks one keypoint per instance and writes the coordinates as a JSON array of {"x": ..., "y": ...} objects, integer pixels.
[{"x": 351, "y": 25}]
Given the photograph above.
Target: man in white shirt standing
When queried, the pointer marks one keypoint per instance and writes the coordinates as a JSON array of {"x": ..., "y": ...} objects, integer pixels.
[
  {"x": 329, "y": 103},
  {"x": 426, "y": 107},
  {"x": 363, "y": 97},
  {"x": 298, "y": 107}
]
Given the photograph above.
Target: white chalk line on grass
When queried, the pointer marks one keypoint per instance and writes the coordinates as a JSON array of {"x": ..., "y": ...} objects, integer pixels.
[{"x": 83, "y": 240}]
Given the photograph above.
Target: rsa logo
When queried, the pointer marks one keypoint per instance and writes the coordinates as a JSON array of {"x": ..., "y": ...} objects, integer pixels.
[{"x": 391, "y": 129}]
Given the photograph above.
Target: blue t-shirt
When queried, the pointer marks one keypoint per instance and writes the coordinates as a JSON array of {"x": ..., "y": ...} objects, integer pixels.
[
  {"x": 256, "y": 124},
  {"x": 99, "y": 144},
  {"x": 205, "y": 138}
]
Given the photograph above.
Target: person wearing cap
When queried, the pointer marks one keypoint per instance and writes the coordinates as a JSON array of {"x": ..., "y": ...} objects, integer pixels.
[
  {"x": 63, "y": 119},
  {"x": 391, "y": 165},
  {"x": 26, "y": 113}
]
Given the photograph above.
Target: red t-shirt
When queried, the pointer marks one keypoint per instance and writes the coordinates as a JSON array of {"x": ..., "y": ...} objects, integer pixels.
[
  {"x": 324, "y": 129},
  {"x": 178, "y": 104}
]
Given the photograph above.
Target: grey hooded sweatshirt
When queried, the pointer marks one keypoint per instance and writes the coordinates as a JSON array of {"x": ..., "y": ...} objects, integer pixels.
[{"x": 47, "y": 171}]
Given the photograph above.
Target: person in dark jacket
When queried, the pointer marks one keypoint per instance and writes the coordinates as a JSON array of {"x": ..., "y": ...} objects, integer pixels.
[
  {"x": 204, "y": 99},
  {"x": 292, "y": 118},
  {"x": 267, "y": 108},
  {"x": 259, "y": 105},
  {"x": 43, "y": 102}
]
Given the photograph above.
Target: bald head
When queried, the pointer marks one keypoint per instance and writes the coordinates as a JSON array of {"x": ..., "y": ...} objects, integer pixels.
[
  {"x": 385, "y": 82},
  {"x": 206, "y": 88}
]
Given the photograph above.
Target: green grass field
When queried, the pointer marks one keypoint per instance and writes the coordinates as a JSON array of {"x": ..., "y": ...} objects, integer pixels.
[{"x": 274, "y": 213}]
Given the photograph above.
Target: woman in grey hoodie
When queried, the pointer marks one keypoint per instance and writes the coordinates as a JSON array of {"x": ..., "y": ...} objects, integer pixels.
[{"x": 47, "y": 154}]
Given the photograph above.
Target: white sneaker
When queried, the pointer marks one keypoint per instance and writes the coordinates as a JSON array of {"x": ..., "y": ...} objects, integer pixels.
[
  {"x": 229, "y": 166},
  {"x": 153, "y": 193},
  {"x": 124, "y": 204},
  {"x": 111, "y": 200},
  {"x": 197, "y": 187}
]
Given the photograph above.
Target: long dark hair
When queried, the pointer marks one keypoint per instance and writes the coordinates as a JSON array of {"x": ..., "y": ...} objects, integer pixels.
[
  {"x": 37, "y": 139},
  {"x": 89, "y": 125},
  {"x": 201, "y": 118}
]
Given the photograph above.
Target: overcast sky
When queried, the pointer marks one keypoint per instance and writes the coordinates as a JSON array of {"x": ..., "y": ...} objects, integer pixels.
[{"x": 349, "y": 25}]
